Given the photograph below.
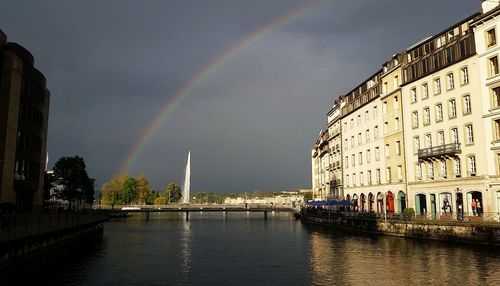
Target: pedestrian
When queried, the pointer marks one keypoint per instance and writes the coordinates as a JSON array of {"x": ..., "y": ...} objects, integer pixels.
[
  {"x": 478, "y": 208},
  {"x": 473, "y": 206}
]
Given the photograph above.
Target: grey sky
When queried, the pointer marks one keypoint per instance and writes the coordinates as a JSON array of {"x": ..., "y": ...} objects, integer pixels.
[{"x": 112, "y": 65}]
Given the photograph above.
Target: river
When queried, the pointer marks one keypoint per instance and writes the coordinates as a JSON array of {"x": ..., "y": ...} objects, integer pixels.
[{"x": 245, "y": 249}]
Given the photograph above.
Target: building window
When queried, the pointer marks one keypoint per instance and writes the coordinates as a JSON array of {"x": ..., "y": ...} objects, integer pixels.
[
  {"x": 398, "y": 148},
  {"x": 375, "y": 112},
  {"x": 450, "y": 81},
  {"x": 457, "y": 168},
  {"x": 360, "y": 158},
  {"x": 354, "y": 181},
  {"x": 493, "y": 65},
  {"x": 491, "y": 38},
  {"x": 352, "y": 123},
  {"x": 416, "y": 144},
  {"x": 377, "y": 154},
  {"x": 454, "y": 135},
  {"x": 347, "y": 181},
  {"x": 443, "y": 168},
  {"x": 425, "y": 91},
  {"x": 413, "y": 93},
  {"x": 368, "y": 156},
  {"x": 388, "y": 174},
  {"x": 472, "y": 165},
  {"x": 439, "y": 112},
  {"x": 497, "y": 129},
  {"x": 360, "y": 140},
  {"x": 430, "y": 170},
  {"x": 467, "y": 104},
  {"x": 377, "y": 174},
  {"x": 469, "y": 134},
  {"x": 385, "y": 89},
  {"x": 346, "y": 144},
  {"x": 395, "y": 102},
  {"x": 359, "y": 120},
  {"x": 353, "y": 160},
  {"x": 414, "y": 119},
  {"x": 384, "y": 107},
  {"x": 396, "y": 82},
  {"x": 375, "y": 131},
  {"x": 495, "y": 92},
  {"x": 369, "y": 176},
  {"x": 440, "y": 137},
  {"x": 428, "y": 141},
  {"x": 465, "y": 75},
  {"x": 452, "y": 108},
  {"x": 367, "y": 116},
  {"x": 437, "y": 86},
  {"x": 347, "y": 161},
  {"x": 352, "y": 141},
  {"x": 387, "y": 151},
  {"x": 386, "y": 127},
  {"x": 427, "y": 116},
  {"x": 400, "y": 173},
  {"x": 418, "y": 171},
  {"x": 367, "y": 135}
]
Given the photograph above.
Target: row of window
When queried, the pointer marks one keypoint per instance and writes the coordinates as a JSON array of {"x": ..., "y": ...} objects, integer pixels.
[
  {"x": 358, "y": 140},
  {"x": 354, "y": 179},
  {"x": 31, "y": 116},
  {"x": 440, "y": 138},
  {"x": 29, "y": 142},
  {"x": 450, "y": 84},
  {"x": 442, "y": 167},
  {"x": 439, "y": 111},
  {"x": 368, "y": 155},
  {"x": 30, "y": 88}
]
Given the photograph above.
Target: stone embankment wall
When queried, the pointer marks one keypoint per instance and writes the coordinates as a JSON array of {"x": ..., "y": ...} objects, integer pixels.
[{"x": 476, "y": 233}]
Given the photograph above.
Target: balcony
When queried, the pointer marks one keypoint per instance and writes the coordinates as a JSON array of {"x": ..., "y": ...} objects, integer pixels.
[{"x": 441, "y": 151}]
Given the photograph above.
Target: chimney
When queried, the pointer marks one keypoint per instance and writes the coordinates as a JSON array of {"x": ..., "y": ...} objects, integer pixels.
[{"x": 488, "y": 5}]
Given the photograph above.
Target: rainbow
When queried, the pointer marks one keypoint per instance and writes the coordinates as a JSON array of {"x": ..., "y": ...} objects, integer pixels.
[{"x": 206, "y": 71}]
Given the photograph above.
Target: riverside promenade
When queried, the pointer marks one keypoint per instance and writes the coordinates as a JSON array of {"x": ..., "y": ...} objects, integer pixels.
[
  {"x": 24, "y": 234},
  {"x": 474, "y": 229}
]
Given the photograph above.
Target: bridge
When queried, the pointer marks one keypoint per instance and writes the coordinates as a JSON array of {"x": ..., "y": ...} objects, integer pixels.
[{"x": 187, "y": 209}]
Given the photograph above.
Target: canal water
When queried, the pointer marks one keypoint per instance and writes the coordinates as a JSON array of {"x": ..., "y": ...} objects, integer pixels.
[{"x": 245, "y": 249}]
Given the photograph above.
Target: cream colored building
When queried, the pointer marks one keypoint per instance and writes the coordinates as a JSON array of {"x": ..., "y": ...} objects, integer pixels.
[
  {"x": 443, "y": 127},
  {"x": 320, "y": 164},
  {"x": 486, "y": 32},
  {"x": 335, "y": 151}
]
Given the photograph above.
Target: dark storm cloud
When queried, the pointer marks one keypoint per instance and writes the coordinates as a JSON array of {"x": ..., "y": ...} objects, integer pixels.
[{"x": 112, "y": 65}]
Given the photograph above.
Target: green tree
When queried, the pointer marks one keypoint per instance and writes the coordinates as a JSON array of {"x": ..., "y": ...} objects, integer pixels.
[
  {"x": 129, "y": 190},
  {"x": 308, "y": 196},
  {"x": 160, "y": 201},
  {"x": 172, "y": 193},
  {"x": 112, "y": 190},
  {"x": 143, "y": 189},
  {"x": 71, "y": 180}
]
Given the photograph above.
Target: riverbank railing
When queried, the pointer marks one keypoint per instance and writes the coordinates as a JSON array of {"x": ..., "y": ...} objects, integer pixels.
[
  {"x": 460, "y": 218},
  {"x": 20, "y": 226}
]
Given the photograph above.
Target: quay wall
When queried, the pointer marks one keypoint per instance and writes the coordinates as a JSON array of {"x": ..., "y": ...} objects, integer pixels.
[
  {"x": 25, "y": 236},
  {"x": 487, "y": 234}
]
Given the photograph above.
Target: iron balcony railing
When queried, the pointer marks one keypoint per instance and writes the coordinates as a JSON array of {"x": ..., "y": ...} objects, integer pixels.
[{"x": 439, "y": 151}]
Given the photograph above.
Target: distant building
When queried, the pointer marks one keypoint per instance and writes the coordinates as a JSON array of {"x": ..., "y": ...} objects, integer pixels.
[{"x": 24, "y": 111}]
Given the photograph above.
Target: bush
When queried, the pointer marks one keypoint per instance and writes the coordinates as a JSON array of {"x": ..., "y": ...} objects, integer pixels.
[
  {"x": 409, "y": 213},
  {"x": 160, "y": 201}
]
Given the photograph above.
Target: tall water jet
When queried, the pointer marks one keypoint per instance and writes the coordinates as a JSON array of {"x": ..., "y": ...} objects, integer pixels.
[{"x": 187, "y": 181}]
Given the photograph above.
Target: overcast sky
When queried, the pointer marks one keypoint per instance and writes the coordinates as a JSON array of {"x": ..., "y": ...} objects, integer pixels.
[{"x": 112, "y": 65}]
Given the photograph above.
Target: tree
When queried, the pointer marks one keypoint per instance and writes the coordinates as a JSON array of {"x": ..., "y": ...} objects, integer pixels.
[
  {"x": 143, "y": 189},
  {"x": 129, "y": 190},
  {"x": 172, "y": 193},
  {"x": 307, "y": 196},
  {"x": 112, "y": 190},
  {"x": 71, "y": 180},
  {"x": 160, "y": 201}
]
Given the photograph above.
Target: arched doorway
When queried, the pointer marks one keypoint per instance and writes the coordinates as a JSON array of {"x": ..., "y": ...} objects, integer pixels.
[
  {"x": 363, "y": 202},
  {"x": 445, "y": 203},
  {"x": 401, "y": 201},
  {"x": 380, "y": 202},
  {"x": 420, "y": 205},
  {"x": 389, "y": 202},
  {"x": 475, "y": 198},
  {"x": 355, "y": 202},
  {"x": 371, "y": 201}
]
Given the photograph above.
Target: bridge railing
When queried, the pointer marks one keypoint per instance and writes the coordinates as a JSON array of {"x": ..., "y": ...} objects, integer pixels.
[{"x": 19, "y": 226}]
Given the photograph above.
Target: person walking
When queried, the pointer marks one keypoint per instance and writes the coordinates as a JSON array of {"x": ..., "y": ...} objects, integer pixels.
[{"x": 473, "y": 206}]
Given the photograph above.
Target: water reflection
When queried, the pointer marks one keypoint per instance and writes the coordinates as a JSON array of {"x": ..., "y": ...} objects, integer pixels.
[
  {"x": 338, "y": 258},
  {"x": 185, "y": 250}
]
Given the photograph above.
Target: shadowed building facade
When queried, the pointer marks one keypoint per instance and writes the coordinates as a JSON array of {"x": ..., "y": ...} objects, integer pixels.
[{"x": 24, "y": 110}]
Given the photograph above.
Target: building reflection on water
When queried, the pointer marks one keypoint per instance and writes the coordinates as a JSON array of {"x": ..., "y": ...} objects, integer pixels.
[
  {"x": 337, "y": 258},
  {"x": 185, "y": 250}
]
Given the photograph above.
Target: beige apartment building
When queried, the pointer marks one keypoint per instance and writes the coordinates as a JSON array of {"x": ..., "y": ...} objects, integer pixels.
[
  {"x": 366, "y": 180},
  {"x": 443, "y": 127},
  {"x": 335, "y": 147},
  {"x": 320, "y": 162},
  {"x": 486, "y": 28},
  {"x": 392, "y": 126}
]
